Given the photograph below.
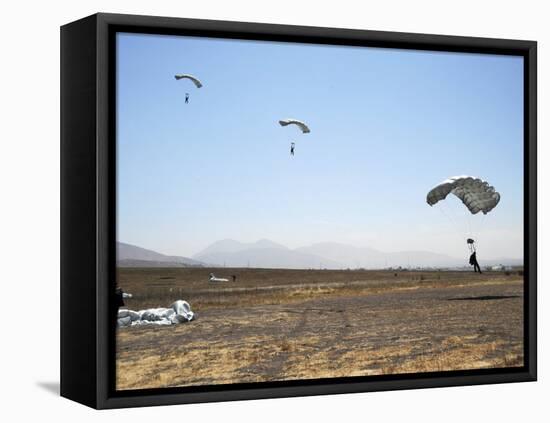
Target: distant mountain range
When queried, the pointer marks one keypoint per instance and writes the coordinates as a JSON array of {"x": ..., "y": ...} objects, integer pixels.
[
  {"x": 368, "y": 258},
  {"x": 131, "y": 256},
  {"x": 262, "y": 253},
  {"x": 268, "y": 254},
  {"x": 326, "y": 255}
]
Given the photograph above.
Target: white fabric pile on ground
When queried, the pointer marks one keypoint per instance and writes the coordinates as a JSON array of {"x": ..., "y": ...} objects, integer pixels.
[
  {"x": 212, "y": 278},
  {"x": 178, "y": 312}
]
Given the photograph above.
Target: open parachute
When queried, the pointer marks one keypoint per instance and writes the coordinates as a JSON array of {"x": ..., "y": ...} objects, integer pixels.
[
  {"x": 195, "y": 81},
  {"x": 477, "y": 195},
  {"x": 303, "y": 127}
]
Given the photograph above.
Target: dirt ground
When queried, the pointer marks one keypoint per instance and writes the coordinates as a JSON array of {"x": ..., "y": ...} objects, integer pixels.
[{"x": 273, "y": 325}]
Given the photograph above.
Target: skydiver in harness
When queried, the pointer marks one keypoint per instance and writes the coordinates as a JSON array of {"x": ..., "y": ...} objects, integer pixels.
[
  {"x": 186, "y": 98},
  {"x": 292, "y": 149},
  {"x": 473, "y": 258}
]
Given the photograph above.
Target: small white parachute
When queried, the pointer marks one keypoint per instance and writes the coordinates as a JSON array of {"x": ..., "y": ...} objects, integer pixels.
[
  {"x": 303, "y": 127},
  {"x": 476, "y": 194},
  {"x": 197, "y": 83}
]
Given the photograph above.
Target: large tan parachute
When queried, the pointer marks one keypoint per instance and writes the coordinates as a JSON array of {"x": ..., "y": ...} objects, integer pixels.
[{"x": 476, "y": 194}]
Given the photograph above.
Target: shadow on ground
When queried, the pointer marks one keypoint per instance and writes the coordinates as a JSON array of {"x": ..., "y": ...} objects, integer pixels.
[
  {"x": 483, "y": 298},
  {"x": 51, "y": 387}
]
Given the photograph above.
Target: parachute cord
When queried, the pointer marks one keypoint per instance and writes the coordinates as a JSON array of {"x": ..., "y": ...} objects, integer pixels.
[
  {"x": 469, "y": 216},
  {"x": 457, "y": 225},
  {"x": 482, "y": 223},
  {"x": 476, "y": 225},
  {"x": 451, "y": 218},
  {"x": 462, "y": 225}
]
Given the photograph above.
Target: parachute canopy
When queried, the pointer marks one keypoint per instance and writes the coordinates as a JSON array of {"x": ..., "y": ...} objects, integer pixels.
[
  {"x": 476, "y": 194},
  {"x": 178, "y": 312},
  {"x": 470, "y": 241},
  {"x": 303, "y": 127},
  {"x": 191, "y": 77}
]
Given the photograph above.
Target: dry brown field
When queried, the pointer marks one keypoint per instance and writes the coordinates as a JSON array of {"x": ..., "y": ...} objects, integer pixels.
[{"x": 274, "y": 325}]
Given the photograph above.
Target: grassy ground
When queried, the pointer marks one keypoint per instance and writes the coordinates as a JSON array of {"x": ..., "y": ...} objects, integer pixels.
[{"x": 295, "y": 324}]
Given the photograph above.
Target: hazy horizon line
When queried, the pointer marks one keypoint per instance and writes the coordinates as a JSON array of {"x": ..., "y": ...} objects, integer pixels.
[{"x": 316, "y": 243}]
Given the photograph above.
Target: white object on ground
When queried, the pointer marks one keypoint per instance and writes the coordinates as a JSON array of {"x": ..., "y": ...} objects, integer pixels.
[
  {"x": 212, "y": 278},
  {"x": 178, "y": 312}
]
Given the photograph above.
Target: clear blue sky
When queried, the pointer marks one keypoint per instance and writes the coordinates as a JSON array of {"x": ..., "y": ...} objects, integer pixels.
[{"x": 386, "y": 126}]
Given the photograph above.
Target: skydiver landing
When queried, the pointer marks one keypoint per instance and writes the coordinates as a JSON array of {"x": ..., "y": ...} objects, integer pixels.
[
  {"x": 477, "y": 195},
  {"x": 292, "y": 149},
  {"x": 186, "y": 98},
  {"x": 473, "y": 262}
]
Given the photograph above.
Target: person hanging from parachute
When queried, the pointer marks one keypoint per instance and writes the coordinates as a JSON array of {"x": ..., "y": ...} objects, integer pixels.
[
  {"x": 477, "y": 195},
  {"x": 473, "y": 256},
  {"x": 473, "y": 262},
  {"x": 195, "y": 81},
  {"x": 301, "y": 125}
]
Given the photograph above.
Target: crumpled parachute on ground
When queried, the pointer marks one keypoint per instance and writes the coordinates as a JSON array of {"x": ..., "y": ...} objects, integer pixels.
[
  {"x": 178, "y": 312},
  {"x": 476, "y": 194}
]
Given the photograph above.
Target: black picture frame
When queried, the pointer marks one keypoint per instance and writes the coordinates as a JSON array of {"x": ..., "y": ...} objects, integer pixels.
[{"x": 88, "y": 212}]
